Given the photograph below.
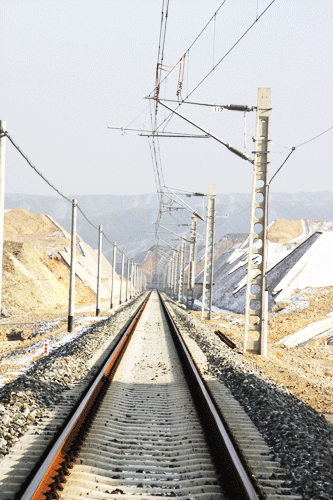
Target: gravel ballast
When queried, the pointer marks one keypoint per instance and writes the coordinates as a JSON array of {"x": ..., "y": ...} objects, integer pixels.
[
  {"x": 299, "y": 437},
  {"x": 24, "y": 401}
]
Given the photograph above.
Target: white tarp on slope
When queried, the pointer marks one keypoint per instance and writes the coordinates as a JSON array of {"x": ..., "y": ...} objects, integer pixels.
[
  {"x": 86, "y": 271},
  {"x": 86, "y": 266},
  {"x": 314, "y": 269},
  {"x": 307, "y": 333}
]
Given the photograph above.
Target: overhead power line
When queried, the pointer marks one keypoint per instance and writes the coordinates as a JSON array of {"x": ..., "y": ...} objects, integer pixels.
[
  {"x": 219, "y": 61},
  {"x": 228, "y": 52},
  {"x": 294, "y": 149},
  {"x": 51, "y": 185},
  {"x": 189, "y": 48},
  {"x": 313, "y": 138},
  {"x": 35, "y": 169}
]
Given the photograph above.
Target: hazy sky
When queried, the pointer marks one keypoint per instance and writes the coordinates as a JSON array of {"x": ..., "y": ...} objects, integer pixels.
[{"x": 71, "y": 68}]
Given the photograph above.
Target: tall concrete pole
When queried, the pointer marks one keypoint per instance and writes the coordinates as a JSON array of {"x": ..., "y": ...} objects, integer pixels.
[
  {"x": 72, "y": 270},
  {"x": 122, "y": 277},
  {"x": 176, "y": 273},
  {"x": 207, "y": 288},
  {"x": 127, "y": 278},
  {"x": 131, "y": 284},
  {"x": 113, "y": 281},
  {"x": 172, "y": 272},
  {"x": 255, "y": 339},
  {"x": 167, "y": 290},
  {"x": 181, "y": 270},
  {"x": 2, "y": 194},
  {"x": 134, "y": 279},
  {"x": 98, "y": 302},
  {"x": 191, "y": 273}
]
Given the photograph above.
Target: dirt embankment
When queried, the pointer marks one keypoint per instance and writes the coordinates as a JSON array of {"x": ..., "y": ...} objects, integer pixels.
[
  {"x": 35, "y": 278},
  {"x": 284, "y": 230}
]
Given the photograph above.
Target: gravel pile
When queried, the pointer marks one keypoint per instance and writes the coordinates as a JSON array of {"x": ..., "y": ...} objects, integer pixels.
[
  {"x": 24, "y": 401},
  {"x": 300, "y": 438}
]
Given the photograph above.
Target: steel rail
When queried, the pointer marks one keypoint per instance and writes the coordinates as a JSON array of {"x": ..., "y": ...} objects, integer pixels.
[
  {"x": 39, "y": 485},
  {"x": 225, "y": 339},
  {"x": 226, "y": 458}
]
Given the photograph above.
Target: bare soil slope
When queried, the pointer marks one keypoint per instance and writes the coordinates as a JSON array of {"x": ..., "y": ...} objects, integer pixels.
[{"x": 35, "y": 278}]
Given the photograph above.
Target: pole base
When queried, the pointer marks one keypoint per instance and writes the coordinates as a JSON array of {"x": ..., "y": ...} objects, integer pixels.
[
  {"x": 70, "y": 323},
  {"x": 97, "y": 312}
]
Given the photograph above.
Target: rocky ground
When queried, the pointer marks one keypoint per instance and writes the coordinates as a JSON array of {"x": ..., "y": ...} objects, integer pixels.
[
  {"x": 288, "y": 394},
  {"x": 24, "y": 399},
  {"x": 283, "y": 396},
  {"x": 307, "y": 372}
]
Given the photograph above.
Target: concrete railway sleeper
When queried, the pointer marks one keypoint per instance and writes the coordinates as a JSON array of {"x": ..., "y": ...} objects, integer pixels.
[{"x": 141, "y": 435}]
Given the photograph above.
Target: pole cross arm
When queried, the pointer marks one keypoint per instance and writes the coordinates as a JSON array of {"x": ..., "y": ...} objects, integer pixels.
[{"x": 227, "y": 145}]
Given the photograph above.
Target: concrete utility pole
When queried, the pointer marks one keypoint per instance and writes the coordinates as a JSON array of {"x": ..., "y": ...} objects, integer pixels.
[
  {"x": 2, "y": 194},
  {"x": 172, "y": 273},
  {"x": 164, "y": 279},
  {"x": 131, "y": 287},
  {"x": 113, "y": 281},
  {"x": 168, "y": 283},
  {"x": 191, "y": 273},
  {"x": 176, "y": 271},
  {"x": 181, "y": 270},
  {"x": 127, "y": 278},
  {"x": 134, "y": 278},
  {"x": 122, "y": 276},
  {"x": 255, "y": 339},
  {"x": 98, "y": 303},
  {"x": 207, "y": 286},
  {"x": 72, "y": 270}
]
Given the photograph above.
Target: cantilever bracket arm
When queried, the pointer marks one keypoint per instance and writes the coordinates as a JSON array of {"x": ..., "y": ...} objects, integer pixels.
[
  {"x": 183, "y": 204},
  {"x": 227, "y": 145}
]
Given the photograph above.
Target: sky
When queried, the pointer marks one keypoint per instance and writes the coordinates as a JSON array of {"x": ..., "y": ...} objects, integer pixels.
[{"x": 69, "y": 69}]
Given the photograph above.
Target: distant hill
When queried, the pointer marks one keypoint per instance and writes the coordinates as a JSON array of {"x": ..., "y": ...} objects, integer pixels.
[{"x": 129, "y": 220}]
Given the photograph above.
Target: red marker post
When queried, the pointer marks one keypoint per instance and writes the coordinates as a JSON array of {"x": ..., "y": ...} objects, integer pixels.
[{"x": 46, "y": 346}]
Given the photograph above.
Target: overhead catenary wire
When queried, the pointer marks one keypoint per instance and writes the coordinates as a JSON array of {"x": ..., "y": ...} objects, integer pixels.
[
  {"x": 154, "y": 149},
  {"x": 228, "y": 52},
  {"x": 313, "y": 138},
  {"x": 194, "y": 41},
  {"x": 294, "y": 149},
  {"x": 220, "y": 60}
]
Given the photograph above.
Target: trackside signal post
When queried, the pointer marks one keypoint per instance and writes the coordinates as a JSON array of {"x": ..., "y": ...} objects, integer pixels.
[
  {"x": 255, "y": 339},
  {"x": 207, "y": 286}
]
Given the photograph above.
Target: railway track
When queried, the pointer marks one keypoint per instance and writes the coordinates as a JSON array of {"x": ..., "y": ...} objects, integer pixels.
[
  {"x": 146, "y": 429},
  {"x": 137, "y": 432}
]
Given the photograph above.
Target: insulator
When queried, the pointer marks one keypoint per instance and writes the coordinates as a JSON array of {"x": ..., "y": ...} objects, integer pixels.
[
  {"x": 237, "y": 152},
  {"x": 238, "y": 107}
]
